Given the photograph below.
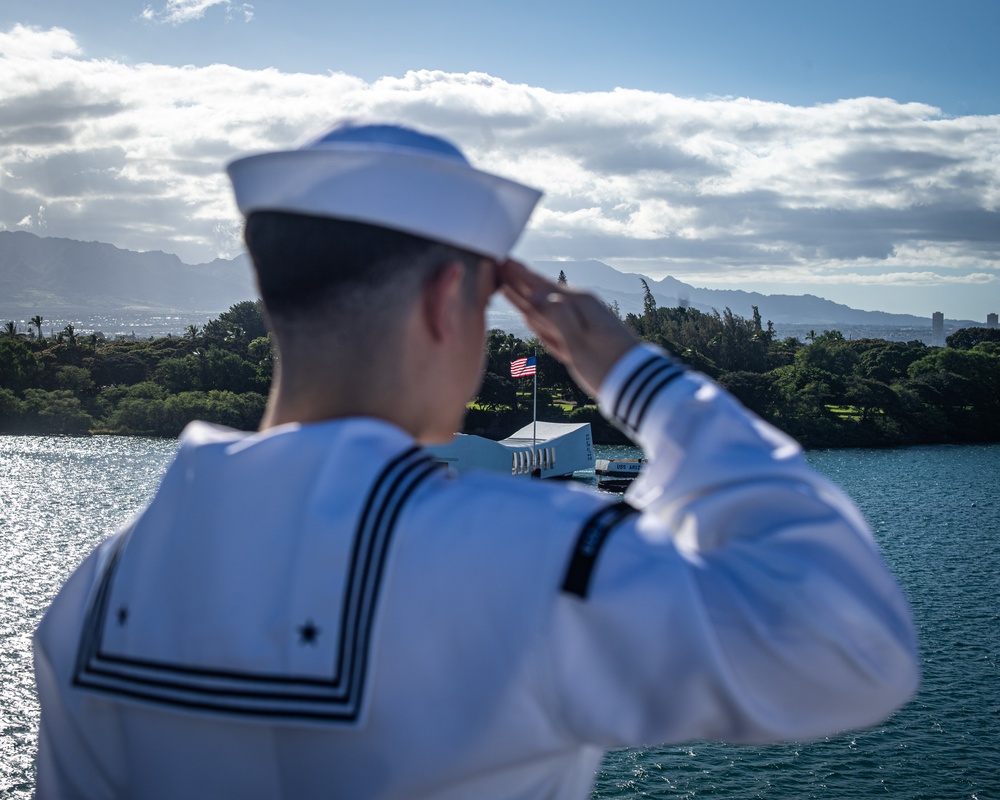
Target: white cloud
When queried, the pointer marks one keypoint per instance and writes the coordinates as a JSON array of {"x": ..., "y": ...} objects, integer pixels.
[
  {"x": 26, "y": 42},
  {"x": 910, "y": 278},
  {"x": 37, "y": 221},
  {"x": 177, "y": 12},
  {"x": 708, "y": 190}
]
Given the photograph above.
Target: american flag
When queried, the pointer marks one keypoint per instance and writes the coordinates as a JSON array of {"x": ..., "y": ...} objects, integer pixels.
[{"x": 522, "y": 367}]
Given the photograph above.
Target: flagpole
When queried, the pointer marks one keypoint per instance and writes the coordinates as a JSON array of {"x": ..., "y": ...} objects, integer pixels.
[
  {"x": 534, "y": 417},
  {"x": 518, "y": 368}
]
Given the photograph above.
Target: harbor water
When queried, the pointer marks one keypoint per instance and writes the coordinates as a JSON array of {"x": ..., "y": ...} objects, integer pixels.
[{"x": 934, "y": 510}]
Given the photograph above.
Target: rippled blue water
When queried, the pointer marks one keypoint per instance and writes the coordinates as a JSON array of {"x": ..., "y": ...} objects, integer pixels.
[
  {"x": 936, "y": 514},
  {"x": 59, "y": 497},
  {"x": 934, "y": 510}
]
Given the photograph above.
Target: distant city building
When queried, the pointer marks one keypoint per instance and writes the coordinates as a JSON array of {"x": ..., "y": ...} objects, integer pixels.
[
  {"x": 991, "y": 321},
  {"x": 937, "y": 329}
]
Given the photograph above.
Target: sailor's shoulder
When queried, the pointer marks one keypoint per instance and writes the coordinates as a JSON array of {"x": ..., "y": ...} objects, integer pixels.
[{"x": 491, "y": 497}]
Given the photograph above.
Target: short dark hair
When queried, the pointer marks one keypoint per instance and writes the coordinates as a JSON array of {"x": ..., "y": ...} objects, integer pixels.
[{"x": 309, "y": 265}]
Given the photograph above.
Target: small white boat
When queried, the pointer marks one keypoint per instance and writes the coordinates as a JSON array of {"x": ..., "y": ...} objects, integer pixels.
[
  {"x": 615, "y": 474},
  {"x": 541, "y": 450}
]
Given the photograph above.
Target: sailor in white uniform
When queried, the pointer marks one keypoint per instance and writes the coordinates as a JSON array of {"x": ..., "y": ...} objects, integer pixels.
[{"x": 318, "y": 609}]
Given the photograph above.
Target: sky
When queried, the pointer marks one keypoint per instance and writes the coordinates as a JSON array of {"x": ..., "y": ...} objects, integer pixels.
[{"x": 846, "y": 149}]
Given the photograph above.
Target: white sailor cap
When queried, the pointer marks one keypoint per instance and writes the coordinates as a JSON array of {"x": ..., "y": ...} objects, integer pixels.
[{"x": 390, "y": 176}]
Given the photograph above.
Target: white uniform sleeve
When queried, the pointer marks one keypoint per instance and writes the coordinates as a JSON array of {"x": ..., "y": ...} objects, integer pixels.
[{"x": 746, "y": 602}]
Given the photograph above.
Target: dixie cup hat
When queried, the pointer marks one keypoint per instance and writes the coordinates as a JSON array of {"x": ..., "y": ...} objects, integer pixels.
[{"x": 391, "y": 176}]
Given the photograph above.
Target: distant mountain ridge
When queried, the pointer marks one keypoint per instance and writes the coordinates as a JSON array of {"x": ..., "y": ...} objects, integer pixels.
[
  {"x": 782, "y": 309},
  {"x": 66, "y": 279}
]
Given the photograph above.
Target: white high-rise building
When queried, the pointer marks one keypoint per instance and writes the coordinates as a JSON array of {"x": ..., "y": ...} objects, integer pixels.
[
  {"x": 937, "y": 329},
  {"x": 991, "y": 321}
]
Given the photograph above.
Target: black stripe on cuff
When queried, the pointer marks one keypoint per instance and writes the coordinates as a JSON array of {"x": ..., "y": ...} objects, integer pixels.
[
  {"x": 588, "y": 546},
  {"x": 665, "y": 379},
  {"x": 649, "y": 365},
  {"x": 641, "y": 387}
]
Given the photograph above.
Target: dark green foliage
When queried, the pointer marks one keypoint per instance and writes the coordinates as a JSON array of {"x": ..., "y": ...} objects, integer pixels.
[
  {"x": 713, "y": 343},
  {"x": 648, "y": 301},
  {"x": 496, "y": 393},
  {"x": 18, "y": 366},
  {"x": 137, "y": 409},
  {"x": 11, "y": 412},
  {"x": 241, "y": 411},
  {"x": 602, "y": 431},
  {"x": 499, "y": 391},
  {"x": 828, "y": 392},
  {"x": 237, "y": 327},
  {"x": 118, "y": 364},
  {"x": 886, "y": 361},
  {"x": 178, "y": 374},
  {"x": 75, "y": 379},
  {"x": 153, "y": 412},
  {"x": 55, "y": 412},
  {"x": 871, "y": 398},
  {"x": 498, "y": 424},
  {"x": 757, "y": 391},
  {"x": 967, "y": 338},
  {"x": 260, "y": 353},
  {"x": 833, "y": 356},
  {"x": 223, "y": 369},
  {"x": 782, "y": 354},
  {"x": 553, "y": 375},
  {"x": 740, "y": 344},
  {"x": 152, "y": 387}
]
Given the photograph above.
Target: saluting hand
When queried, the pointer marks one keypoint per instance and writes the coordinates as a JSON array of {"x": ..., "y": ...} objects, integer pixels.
[{"x": 575, "y": 326}]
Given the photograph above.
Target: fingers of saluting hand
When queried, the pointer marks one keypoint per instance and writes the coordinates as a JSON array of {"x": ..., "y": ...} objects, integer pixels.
[
  {"x": 524, "y": 288},
  {"x": 575, "y": 326},
  {"x": 535, "y": 294},
  {"x": 543, "y": 305}
]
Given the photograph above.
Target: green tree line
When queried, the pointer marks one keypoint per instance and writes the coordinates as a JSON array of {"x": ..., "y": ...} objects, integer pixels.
[
  {"x": 827, "y": 391},
  {"x": 77, "y": 385}
]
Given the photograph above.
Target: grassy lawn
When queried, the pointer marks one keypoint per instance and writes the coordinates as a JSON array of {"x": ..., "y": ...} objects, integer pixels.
[
  {"x": 845, "y": 412},
  {"x": 524, "y": 401}
]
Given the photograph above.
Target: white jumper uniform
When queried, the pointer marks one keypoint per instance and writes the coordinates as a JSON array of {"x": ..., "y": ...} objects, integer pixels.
[{"x": 321, "y": 611}]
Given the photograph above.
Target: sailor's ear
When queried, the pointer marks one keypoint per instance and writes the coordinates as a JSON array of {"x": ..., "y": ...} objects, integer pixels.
[{"x": 442, "y": 300}]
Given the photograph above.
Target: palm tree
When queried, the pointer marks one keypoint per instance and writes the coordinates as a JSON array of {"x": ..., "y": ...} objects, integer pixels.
[
  {"x": 192, "y": 332},
  {"x": 70, "y": 333},
  {"x": 10, "y": 329},
  {"x": 37, "y": 322}
]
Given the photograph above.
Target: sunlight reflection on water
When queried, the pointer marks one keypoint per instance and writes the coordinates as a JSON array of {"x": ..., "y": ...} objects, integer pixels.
[
  {"x": 934, "y": 510},
  {"x": 59, "y": 497}
]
